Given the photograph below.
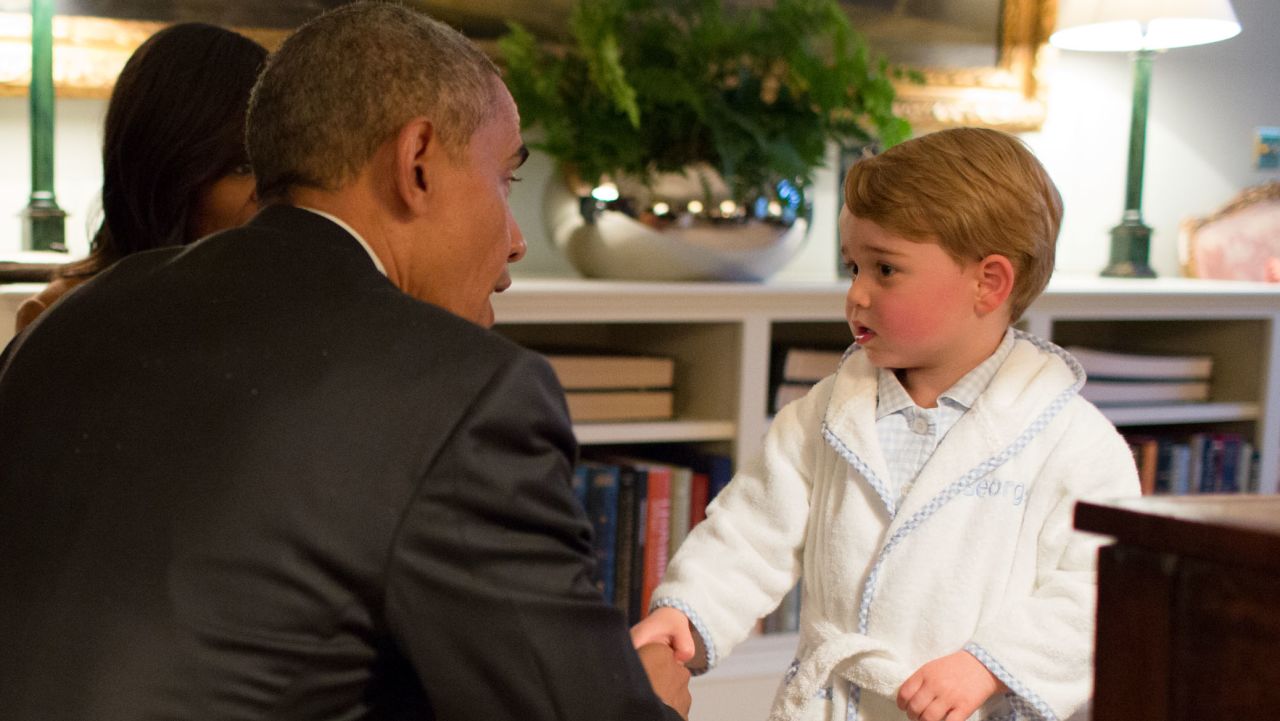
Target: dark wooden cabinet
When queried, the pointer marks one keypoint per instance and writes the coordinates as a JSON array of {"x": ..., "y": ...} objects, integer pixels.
[{"x": 1188, "y": 608}]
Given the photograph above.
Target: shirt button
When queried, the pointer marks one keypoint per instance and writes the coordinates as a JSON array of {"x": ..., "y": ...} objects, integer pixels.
[{"x": 920, "y": 425}]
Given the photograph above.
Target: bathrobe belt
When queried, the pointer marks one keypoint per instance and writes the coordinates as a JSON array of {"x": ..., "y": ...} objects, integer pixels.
[{"x": 860, "y": 659}]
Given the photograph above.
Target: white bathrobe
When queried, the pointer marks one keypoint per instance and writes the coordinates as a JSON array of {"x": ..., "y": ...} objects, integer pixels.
[{"x": 980, "y": 555}]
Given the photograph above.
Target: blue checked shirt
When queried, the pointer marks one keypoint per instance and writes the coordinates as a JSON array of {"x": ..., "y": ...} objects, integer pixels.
[{"x": 909, "y": 434}]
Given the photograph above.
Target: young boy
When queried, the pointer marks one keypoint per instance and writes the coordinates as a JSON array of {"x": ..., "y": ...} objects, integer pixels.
[{"x": 925, "y": 491}]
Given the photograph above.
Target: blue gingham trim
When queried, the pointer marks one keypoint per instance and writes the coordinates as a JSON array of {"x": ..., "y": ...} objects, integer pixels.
[
  {"x": 707, "y": 644},
  {"x": 792, "y": 670},
  {"x": 889, "y": 499},
  {"x": 851, "y": 706},
  {"x": 825, "y": 693},
  {"x": 1026, "y": 704}
]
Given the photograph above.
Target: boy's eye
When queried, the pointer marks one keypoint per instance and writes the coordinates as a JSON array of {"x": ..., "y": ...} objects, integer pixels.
[
  {"x": 852, "y": 267},
  {"x": 887, "y": 270}
]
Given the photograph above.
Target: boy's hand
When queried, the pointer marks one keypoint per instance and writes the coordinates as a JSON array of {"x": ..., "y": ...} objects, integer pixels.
[
  {"x": 668, "y": 627},
  {"x": 950, "y": 688}
]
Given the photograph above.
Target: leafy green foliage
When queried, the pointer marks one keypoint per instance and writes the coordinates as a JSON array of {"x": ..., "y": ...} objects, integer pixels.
[{"x": 655, "y": 85}]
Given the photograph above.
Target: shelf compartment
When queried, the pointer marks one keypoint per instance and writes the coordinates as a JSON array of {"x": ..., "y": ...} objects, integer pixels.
[
  {"x": 707, "y": 357},
  {"x": 1236, "y": 345}
]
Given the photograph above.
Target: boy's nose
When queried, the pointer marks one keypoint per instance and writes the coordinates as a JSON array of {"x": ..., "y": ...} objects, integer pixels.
[{"x": 857, "y": 295}]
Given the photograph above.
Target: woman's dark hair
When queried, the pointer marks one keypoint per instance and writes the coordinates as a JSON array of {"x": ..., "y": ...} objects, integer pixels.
[{"x": 175, "y": 124}]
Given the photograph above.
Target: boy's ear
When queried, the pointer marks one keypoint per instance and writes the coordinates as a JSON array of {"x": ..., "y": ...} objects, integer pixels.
[
  {"x": 995, "y": 283},
  {"x": 416, "y": 145}
]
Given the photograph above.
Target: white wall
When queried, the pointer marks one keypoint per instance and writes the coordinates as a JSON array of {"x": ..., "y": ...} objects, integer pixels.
[
  {"x": 77, "y": 167},
  {"x": 1205, "y": 102}
]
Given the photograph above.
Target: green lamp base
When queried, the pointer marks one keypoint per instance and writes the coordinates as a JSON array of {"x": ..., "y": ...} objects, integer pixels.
[
  {"x": 44, "y": 225},
  {"x": 1130, "y": 244}
]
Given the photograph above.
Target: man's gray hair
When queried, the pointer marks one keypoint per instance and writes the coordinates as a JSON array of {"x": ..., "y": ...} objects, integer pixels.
[{"x": 345, "y": 82}]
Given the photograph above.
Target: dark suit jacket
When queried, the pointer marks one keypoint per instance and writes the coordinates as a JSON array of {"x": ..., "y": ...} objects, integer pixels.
[{"x": 251, "y": 479}]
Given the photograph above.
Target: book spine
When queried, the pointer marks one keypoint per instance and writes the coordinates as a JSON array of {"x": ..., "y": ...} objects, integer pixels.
[
  {"x": 602, "y": 503},
  {"x": 1195, "y": 466},
  {"x": 636, "y": 601},
  {"x": 1181, "y": 463},
  {"x": 1164, "y": 466},
  {"x": 1145, "y": 450},
  {"x": 719, "y": 473},
  {"x": 1211, "y": 463},
  {"x": 625, "y": 550},
  {"x": 698, "y": 490},
  {"x": 681, "y": 499},
  {"x": 657, "y": 532},
  {"x": 1255, "y": 471},
  {"x": 581, "y": 482},
  {"x": 1229, "y": 481}
]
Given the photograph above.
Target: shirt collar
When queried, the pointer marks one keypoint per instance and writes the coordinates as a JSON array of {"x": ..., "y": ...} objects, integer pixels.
[
  {"x": 892, "y": 398},
  {"x": 377, "y": 263}
]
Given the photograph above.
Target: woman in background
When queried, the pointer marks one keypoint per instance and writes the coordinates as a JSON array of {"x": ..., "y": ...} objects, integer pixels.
[{"x": 174, "y": 167}]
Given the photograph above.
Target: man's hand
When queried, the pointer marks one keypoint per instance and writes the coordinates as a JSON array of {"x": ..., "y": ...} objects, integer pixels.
[
  {"x": 950, "y": 688},
  {"x": 669, "y": 677},
  {"x": 668, "y": 627}
]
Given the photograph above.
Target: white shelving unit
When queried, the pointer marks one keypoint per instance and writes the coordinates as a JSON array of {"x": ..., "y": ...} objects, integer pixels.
[{"x": 721, "y": 335}]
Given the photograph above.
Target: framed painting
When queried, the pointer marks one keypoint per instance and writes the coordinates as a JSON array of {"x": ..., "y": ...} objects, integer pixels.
[{"x": 981, "y": 59}]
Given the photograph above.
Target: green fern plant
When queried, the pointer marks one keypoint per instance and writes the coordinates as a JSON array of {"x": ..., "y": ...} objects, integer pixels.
[{"x": 650, "y": 86}]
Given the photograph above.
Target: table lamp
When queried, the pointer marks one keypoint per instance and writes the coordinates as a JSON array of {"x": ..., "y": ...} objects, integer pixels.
[{"x": 1142, "y": 27}]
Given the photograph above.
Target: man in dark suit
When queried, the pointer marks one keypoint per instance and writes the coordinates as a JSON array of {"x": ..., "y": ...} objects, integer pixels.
[{"x": 287, "y": 472}]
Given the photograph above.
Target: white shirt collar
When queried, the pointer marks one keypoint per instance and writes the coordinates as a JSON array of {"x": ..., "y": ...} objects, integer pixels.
[
  {"x": 892, "y": 398},
  {"x": 360, "y": 239}
]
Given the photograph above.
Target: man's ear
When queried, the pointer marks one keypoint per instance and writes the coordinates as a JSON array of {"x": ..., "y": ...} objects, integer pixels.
[
  {"x": 995, "y": 283},
  {"x": 416, "y": 149}
]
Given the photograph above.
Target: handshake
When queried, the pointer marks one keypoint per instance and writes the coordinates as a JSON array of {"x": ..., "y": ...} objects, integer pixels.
[{"x": 665, "y": 643}]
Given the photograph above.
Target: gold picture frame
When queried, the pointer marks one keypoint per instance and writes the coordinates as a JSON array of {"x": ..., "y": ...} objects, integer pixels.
[
  {"x": 89, "y": 53},
  {"x": 1240, "y": 241},
  {"x": 1009, "y": 96}
]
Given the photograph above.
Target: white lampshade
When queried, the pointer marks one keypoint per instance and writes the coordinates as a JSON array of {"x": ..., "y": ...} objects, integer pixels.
[{"x": 1129, "y": 25}]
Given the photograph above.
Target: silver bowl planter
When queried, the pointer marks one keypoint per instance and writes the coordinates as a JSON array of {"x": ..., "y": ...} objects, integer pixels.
[{"x": 683, "y": 227}]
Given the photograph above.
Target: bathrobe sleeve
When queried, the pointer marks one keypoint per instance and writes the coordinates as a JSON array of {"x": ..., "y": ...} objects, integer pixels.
[
  {"x": 736, "y": 565},
  {"x": 1041, "y": 644}
]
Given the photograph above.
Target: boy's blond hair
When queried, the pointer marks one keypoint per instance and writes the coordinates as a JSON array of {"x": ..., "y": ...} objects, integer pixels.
[{"x": 974, "y": 191}]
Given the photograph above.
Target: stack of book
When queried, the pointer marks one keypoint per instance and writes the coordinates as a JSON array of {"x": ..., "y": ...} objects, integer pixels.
[
  {"x": 795, "y": 369},
  {"x": 1117, "y": 379},
  {"x": 641, "y": 510},
  {"x": 616, "y": 387},
  {"x": 1195, "y": 463}
]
